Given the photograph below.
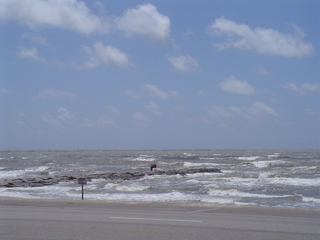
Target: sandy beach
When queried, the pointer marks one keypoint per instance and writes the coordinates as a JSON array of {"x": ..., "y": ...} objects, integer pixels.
[{"x": 75, "y": 219}]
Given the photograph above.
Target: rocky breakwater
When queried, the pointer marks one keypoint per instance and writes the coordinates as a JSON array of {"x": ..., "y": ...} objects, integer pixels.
[{"x": 45, "y": 181}]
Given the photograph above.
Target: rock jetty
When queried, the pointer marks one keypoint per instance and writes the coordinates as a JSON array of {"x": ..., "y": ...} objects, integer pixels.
[{"x": 45, "y": 181}]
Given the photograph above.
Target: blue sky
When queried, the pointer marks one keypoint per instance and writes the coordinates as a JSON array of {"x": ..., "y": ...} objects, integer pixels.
[{"x": 159, "y": 74}]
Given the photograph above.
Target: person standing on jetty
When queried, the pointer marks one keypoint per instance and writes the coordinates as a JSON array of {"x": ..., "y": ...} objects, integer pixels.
[{"x": 152, "y": 166}]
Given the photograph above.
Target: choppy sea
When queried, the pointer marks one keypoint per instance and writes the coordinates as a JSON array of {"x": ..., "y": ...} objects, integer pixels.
[{"x": 277, "y": 178}]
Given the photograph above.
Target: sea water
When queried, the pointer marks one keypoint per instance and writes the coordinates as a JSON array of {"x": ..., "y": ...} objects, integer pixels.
[{"x": 278, "y": 178}]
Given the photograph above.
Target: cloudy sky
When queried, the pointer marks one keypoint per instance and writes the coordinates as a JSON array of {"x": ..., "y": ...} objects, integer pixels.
[{"x": 129, "y": 74}]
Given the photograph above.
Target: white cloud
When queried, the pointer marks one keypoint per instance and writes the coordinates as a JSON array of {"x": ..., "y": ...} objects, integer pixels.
[
  {"x": 188, "y": 33},
  {"x": 154, "y": 91},
  {"x": 49, "y": 93},
  {"x": 315, "y": 87},
  {"x": 99, "y": 5},
  {"x": 153, "y": 107},
  {"x": 35, "y": 38},
  {"x": 101, "y": 54},
  {"x": 184, "y": 63},
  {"x": 304, "y": 88},
  {"x": 61, "y": 116},
  {"x": 264, "y": 72},
  {"x": 113, "y": 109},
  {"x": 145, "y": 20},
  {"x": 293, "y": 87},
  {"x": 31, "y": 54},
  {"x": 268, "y": 41},
  {"x": 234, "y": 85},
  {"x": 48, "y": 118},
  {"x": 261, "y": 109},
  {"x": 140, "y": 117},
  {"x": 130, "y": 94},
  {"x": 100, "y": 123},
  {"x": 258, "y": 109},
  {"x": 64, "y": 114},
  {"x": 220, "y": 111},
  {"x": 69, "y": 14}
]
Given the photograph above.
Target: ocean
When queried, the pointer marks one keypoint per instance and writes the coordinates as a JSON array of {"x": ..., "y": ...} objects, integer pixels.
[{"x": 275, "y": 178}]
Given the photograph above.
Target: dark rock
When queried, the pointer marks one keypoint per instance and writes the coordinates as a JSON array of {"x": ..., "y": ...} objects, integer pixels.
[{"x": 37, "y": 182}]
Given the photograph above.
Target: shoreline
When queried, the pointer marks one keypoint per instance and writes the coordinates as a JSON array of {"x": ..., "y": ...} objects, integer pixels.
[
  {"x": 97, "y": 204},
  {"x": 18, "y": 199}
]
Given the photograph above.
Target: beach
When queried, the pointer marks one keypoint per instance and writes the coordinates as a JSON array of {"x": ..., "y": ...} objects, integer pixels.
[
  {"x": 24, "y": 219},
  {"x": 270, "y": 178},
  {"x": 256, "y": 194}
]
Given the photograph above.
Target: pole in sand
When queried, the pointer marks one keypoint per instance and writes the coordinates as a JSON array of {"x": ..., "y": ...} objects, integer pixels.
[{"x": 82, "y": 181}]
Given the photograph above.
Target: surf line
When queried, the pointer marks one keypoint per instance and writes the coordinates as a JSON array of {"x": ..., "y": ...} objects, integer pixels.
[{"x": 157, "y": 219}]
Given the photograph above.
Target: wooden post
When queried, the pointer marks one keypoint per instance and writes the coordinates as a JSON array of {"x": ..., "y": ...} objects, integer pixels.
[
  {"x": 82, "y": 191},
  {"x": 82, "y": 181}
]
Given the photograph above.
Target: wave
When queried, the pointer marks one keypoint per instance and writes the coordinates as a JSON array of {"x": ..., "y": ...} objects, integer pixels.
[
  {"x": 124, "y": 188},
  {"x": 236, "y": 193},
  {"x": 311, "y": 200},
  {"x": 20, "y": 173},
  {"x": 265, "y": 164},
  {"x": 252, "y": 158},
  {"x": 295, "y": 181},
  {"x": 190, "y": 164},
  {"x": 276, "y": 155},
  {"x": 144, "y": 158}
]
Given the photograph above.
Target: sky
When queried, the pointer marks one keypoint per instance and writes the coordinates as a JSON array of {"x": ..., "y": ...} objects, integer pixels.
[{"x": 192, "y": 74}]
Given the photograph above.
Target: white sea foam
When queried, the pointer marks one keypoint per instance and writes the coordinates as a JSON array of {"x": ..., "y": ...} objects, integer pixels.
[
  {"x": 160, "y": 177},
  {"x": 269, "y": 174},
  {"x": 197, "y": 175},
  {"x": 144, "y": 158},
  {"x": 131, "y": 188},
  {"x": 304, "y": 169},
  {"x": 238, "y": 181},
  {"x": 295, "y": 181},
  {"x": 11, "y": 174},
  {"x": 145, "y": 197},
  {"x": 110, "y": 185},
  {"x": 236, "y": 193},
  {"x": 252, "y": 158},
  {"x": 223, "y": 201},
  {"x": 262, "y": 164},
  {"x": 190, "y": 164},
  {"x": 269, "y": 163},
  {"x": 245, "y": 203},
  {"x": 189, "y": 154},
  {"x": 37, "y": 169},
  {"x": 4, "y": 192},
  {"x": 275, "y": 155},
  {"x": 54, "y": 191},
  {"x": 20, "y": 173},
  {"x": 310, "y": 199},
  {"x": 124, "y": 188}
]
